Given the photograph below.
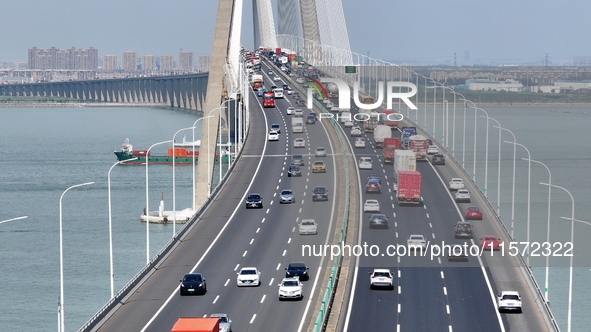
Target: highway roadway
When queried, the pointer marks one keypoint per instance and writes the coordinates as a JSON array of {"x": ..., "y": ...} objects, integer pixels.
[
  {"x": 229, "y": 237},
  {"x": 429, "y": 294}
]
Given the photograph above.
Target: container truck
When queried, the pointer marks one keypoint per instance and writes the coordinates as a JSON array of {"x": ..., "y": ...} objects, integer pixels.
[
  {"x": 390, "y": 146},
  {"x": 406, "y": 133},
  {"x": 409, "y": 187},
  {"x": 380, "y": 133},
  {"x": 389, "y": 120},
  {"x": 333, "y": 90},
  {"x": 257, "y": 79},
  {"x": 297, "y": 125},
  {"x": 370, "y": 120},
  {"x": 268, "y": 99},
  {"x": 196, "y": 324},
  {"x": 418, "y": 144}
]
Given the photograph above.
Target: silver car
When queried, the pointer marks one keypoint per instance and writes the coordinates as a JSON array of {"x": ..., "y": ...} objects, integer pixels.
[
  {"x": 225, "y": 322},
  {"x": 299, "y": 143},
  {"x": 360, "y": 142},
  {"x": 320, "y": 152},
  {"x": 371, "y": 205},
  {"x": 308, "y": 226},
  {"x": 286, "y": 196}
]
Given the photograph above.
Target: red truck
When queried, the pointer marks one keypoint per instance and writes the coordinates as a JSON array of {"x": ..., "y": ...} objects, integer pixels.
[
  {"x": 418, "y": 143},
  {"x": 409, "y": 187},
  {"x": 390, "y": 145},
  {"x": 268, "y": 99},
  {"x": 196, "y": 324},
  {"x": 389, "y": 119}
]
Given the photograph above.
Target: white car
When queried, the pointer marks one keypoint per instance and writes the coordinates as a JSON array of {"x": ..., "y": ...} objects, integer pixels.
[
  {"x": 308, "y": 226},
  {"x": 356, "y": 131},
  {"x": 276, "y": 78},
  {"x": 320, "y": 152},
  {"x": 349, "y": 123},
  {"x": 273, "y": 136},
  {"x": 298, "y": 113},
  {"x": 225, "y": 322},
  {"x": 290, "y": 288},
  {"x": 290, "y": 110},
  {"x": 326, "y": 101},
  {"x": 456, "y": 183},
  {"x": 371, "y": 205},
  {"x": 248, "y": 276},
  {"x": 432, "y": 149},
  {"x": 330, "y": 104},
  {"x": 463, "y": 195},
  {"x": 299, "y": 143},
  {"x": 509, "y": 300},
  {"x": 416, "y": 241},
  {"x": 381, "y": 278},
  {"x": 365, "y": 163},
  {"x": 290, "y": 91},
  {"x": 360, "y": 142},
  {"x": 334, "y": 109}
]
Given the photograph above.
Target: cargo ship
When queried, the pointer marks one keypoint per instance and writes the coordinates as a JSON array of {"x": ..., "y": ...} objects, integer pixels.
[{"x": 181, "y": 156}]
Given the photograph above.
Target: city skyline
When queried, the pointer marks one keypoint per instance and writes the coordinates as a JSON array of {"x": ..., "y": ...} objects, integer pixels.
[{"x": 427, "y": 32}]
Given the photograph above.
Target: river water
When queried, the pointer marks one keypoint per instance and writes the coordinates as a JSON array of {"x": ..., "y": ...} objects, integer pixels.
[{"x": 44, "y": 151}]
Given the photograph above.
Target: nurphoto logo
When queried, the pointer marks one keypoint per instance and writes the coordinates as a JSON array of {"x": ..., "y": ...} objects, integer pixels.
[{"x": 345, "y": 92}]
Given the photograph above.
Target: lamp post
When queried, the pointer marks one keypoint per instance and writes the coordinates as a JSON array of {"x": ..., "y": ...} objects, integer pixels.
[
  {"x": 513, "y": 190},
  {"x": 174, "y": 179},
  {"x": 528, "y": 193},
  {"x": 548, "y": 226},
  {"x": 209, "y": 176},
  {"x": 148, "y": 202},
  {"x": 194, "y": 125},
  {"x": 110, "y": 222},
  {"x": 61, "y": 312},
  {"x": 498, "y": 170},
  {"x": 572, "y": 239},
  {"x": 13, "y": 219}
]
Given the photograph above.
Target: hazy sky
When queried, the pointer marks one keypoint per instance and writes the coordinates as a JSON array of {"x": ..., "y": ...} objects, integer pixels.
[{"x": 429, "y": 31}]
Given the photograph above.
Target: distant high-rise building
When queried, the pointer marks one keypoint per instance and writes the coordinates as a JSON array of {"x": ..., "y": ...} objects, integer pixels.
[
  {"x": 186, "y": 61},
  {"x": 110, "y": 62},
  {"x": 54, "y": 58},
  {"x": 129, "y": 61},
  {"x": 148, "y": 62},
  {"x": 166, "y": 63},
  {"x": 203, "y": 63}
]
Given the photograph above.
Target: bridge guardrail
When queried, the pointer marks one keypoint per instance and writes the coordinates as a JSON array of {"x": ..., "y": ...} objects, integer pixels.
[{"x": 137, "y": 279}]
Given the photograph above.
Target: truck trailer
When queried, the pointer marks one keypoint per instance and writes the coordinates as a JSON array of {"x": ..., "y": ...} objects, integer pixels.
[
  {"x": 380, "y": 133},
  {"x": 418, "y": 144},
  {"x": 390, "y": 146},
  {"x": 409, "y": 187},
  {"x": 196, "y": 324}
]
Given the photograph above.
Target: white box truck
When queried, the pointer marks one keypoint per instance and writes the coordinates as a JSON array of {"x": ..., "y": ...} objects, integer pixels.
[
  {"x": 297, "y": 125},
  {"x": 381, "y": 132}
]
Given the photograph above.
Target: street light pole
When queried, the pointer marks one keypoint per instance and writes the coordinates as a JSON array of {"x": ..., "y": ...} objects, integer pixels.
[
  {"x": 572, "y": 240},
  {"x": 548, "y": 226},
  {"x": 513, "y": 190},
  {"x": 61, "y": 312},
  {"x": 148, "y": 202},
  {"x": 528, "y": 193},
  {"x": 174, "y": 179},
  {"x": 13, "y": 219},
  {"x": 498, "y": 170},
  {"x": 194, "y": 125},
  {"x": 110, "y": 223}
]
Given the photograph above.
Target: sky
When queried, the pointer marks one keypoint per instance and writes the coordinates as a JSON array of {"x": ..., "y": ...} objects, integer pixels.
[{"x": 419, "y": 31}]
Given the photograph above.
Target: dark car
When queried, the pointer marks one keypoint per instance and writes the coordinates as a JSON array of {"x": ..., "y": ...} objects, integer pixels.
[
  {"x": 457, "y": 253},
  {"x": 373, "y": 186},
  {"x": 297, "y": 160},
  {"x": 276, "y": 127},
  {"x": 254, "y": 201},
  {"x": 378, "y": 220},
  {"x": 319, "y": 193},
  {"x": 193, "y": 283},
  {"x": 374, "y": 176},
  {"x": 314, "y": 114},
  {"x": 310, "y": 119},
  {"x": 297, "y": 269},
  {"x": 294, "y": 171},
  {"x": 438, "y": 159},
  {"x": 301, "y": 103},
  {"x": 463, "y": 230}
]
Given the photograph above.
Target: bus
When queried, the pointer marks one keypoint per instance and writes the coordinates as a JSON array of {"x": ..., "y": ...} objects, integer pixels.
[{"x": 268, "y": 99}]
